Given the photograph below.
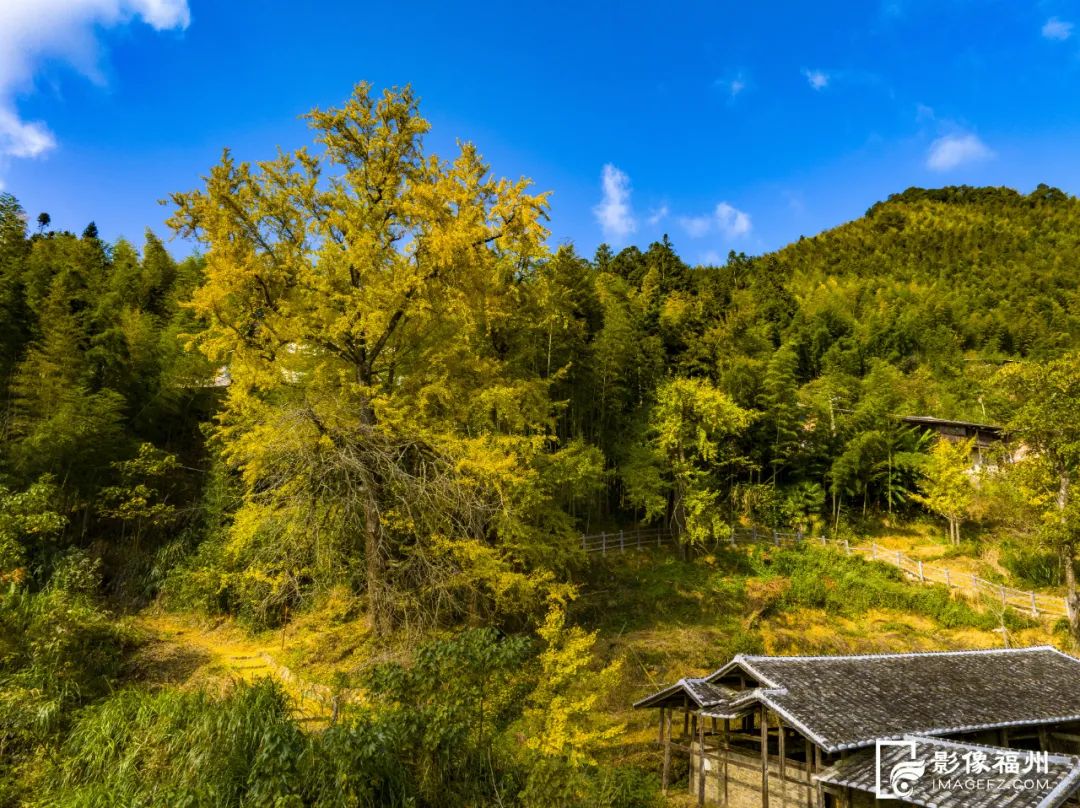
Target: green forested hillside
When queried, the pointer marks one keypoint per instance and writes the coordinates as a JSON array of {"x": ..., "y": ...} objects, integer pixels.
[{"x": 375, "y": 396}]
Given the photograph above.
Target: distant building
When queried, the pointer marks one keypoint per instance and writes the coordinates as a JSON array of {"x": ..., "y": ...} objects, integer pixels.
[
  {"x": 985, "y": 435},
  {"x": 956, "y": 728}
]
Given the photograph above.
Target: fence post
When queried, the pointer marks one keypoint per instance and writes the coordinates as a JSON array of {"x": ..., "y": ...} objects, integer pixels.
[
  {"x": 975, "y": 581},
  {"x": 731, "y": 537},
  {"x": 603, "y": 543},
  {"x": 948, "y": 578},
  {"x": 899, "y": 559},
  {"x": 583, "y": 542},
  {"x": 847, "y": 547},
  {"x": 659, "y": 535},
  {"x": 753, "y": 534},
  {"x": 1004, "y": 602},
  {"x": 824, "y": 542},
  {"x": 622, "y": 543},
  {"x": 775, "y": 537},
  {"x": 922, "y": 576},
  {"x": 1034, "y": 608},
  {"x": 873, "y": 550}
]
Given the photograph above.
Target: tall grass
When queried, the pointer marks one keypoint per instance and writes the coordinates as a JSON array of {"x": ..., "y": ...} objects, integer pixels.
[
  {"x": 825, "y": 579},
  {"x": 438, "y": 732}
]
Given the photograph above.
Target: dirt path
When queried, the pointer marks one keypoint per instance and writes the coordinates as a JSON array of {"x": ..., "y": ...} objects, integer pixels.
[{"x": 181, "y": 650}]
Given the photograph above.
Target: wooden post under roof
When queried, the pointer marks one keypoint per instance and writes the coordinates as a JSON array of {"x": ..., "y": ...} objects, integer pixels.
[
  {"x": 701, "y": 764},
  {"x": 666, "y": 777},
  {"x": 783, "y": 768},
  {"x": 808, "y": 759},
  {"x": 764, "y": 721},
  {"x": 817, "y": 768},
  {"x": 688, "y": 742},
  {"x": 727, "y": 752}
]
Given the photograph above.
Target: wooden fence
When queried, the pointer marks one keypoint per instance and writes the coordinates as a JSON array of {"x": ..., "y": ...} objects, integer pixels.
[
  {"x": 1032, "y": 603},
  {"x": 623, "y": 540}
]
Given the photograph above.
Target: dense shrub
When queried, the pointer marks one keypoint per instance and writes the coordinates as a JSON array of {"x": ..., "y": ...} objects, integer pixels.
[
  {"x": 1034, "y": 566},
  {"x": 58, "y": 649},
  {"x": 823, "y": 579},
  {"x": 442, "y": 731}
]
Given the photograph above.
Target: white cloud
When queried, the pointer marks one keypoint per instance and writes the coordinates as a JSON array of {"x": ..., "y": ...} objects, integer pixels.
[
  {"x": 952, "y": 151},
  {"x": 658, "y": 215},
  {"x": 732, "y": 221},
  {"x": 22, "y": 138},
  {"x": 733, "y": 86},
  {"x": 1057, "y": 29},
  {"x": 614, "y": 213},
  {"x": 817, "y": 79},
  {"x": 696, "y": 226},
  {"x": 35, "y": 31},
  {"x": 725, "y": 219}
]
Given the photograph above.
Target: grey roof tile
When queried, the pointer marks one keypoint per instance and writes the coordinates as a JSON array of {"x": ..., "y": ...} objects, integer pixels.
[
  {"x": 850, "y": 701},
  {"x": 1060, "y": 780}
]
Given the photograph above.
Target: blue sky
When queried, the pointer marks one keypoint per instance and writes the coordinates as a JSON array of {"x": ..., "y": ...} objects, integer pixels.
[{"x": 728, "y": 125}]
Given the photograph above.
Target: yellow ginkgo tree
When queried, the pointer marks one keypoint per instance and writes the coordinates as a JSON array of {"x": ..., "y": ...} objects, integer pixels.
[
  {"x": 947, "y": 486},
  {"x": 364, "y": 296}
]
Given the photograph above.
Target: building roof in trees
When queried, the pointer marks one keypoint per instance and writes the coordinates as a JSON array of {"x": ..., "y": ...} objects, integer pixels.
[
  {"x": 849, "y": 702},
  {"x": 946, "y": 426},
  {"x": 1047, "y": 788}
]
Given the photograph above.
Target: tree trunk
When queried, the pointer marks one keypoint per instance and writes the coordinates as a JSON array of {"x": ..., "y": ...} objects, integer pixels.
[
  {"x": 1068, "y": 561},
  {"x": 678, "y": 521},
  {"x": 374, "y": 550},
  {"x": 1072, "y": 598},
  {"x": 375, "y": 565}
]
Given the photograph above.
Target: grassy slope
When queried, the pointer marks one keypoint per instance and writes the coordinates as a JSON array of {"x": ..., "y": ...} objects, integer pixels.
[
  {"x": 664, "y": 618},
  {"x": 667, "y": 618}
]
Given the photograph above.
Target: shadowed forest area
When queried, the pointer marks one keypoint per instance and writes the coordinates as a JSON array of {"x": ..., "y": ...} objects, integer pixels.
[{"x": 368, "y": 421}]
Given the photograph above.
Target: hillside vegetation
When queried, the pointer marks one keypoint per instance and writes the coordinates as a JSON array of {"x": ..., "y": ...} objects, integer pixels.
[{"x": 360, "y": 433}]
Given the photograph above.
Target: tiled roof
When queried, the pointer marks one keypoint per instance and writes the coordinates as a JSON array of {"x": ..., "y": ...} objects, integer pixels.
[
  {"x": 848, "y": 702},
  {"x": 701, "y": 693},
  {"x": 928, "y": 420},
  {"x": 1047, "y": 788}
]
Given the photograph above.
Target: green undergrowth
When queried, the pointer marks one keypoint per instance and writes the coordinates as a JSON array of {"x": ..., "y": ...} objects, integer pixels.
[
  {"x": 443, "y": 730},
  {"x": 627, "y": 593},
  {"x": 849, "y": 586}
]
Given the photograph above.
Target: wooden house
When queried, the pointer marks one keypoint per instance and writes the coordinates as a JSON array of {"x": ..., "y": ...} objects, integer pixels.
[
  {"x": 984, "y": 436},
  {"x": 804, "y": 731}
]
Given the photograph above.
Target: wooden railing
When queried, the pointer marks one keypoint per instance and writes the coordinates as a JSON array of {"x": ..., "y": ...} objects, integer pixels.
[
  {"x": 620, "y": 541},
  {"x": 1033, "y": 603}
]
